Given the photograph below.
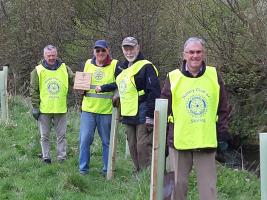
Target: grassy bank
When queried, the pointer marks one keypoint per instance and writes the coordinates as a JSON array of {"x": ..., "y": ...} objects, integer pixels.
[{"x": 24, "y": 176}]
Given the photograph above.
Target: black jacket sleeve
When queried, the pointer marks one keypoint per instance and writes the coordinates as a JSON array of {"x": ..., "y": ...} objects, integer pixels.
[
  {"x": 111, "y": 86},
  {"x": 148, "y": 81},
  {"x": 223, "y": 112}
]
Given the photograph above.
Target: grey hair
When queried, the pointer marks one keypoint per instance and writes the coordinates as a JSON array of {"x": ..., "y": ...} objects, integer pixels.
[
  {"x": 195, "y": 39},
  {"x": 49, "y": 48}
]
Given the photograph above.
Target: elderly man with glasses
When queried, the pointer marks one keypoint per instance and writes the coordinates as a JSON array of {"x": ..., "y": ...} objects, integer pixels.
[
  {"x": 198, "y": 120},
  {"x": 97, "y": 105}
]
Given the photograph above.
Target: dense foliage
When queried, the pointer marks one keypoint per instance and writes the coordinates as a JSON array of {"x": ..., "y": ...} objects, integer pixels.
[{"x": 235, "y": 32}]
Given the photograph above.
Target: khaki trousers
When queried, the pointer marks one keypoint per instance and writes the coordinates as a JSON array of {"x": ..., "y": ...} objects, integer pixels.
[
  {"x": 140, "y": 145},
  {"x": 60, "y": 124},
  {"x": 205, "y": 166}
]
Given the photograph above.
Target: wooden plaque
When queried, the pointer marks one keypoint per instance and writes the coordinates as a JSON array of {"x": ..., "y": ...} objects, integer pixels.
[{"x": 82, "y": 81}]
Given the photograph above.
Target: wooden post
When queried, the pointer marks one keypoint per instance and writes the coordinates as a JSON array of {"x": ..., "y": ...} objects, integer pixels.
[
  {"x": 263, "y": 165},
  {"x": 113, "y": 142},
  {"x": 3, "y": 92},
  {"x": 158, "y": 153}
]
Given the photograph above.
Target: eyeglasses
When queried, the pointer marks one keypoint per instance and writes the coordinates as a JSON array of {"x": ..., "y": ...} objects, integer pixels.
[
  {"x": 100, "y": 50},
  {"x": 192, "y": 52}
]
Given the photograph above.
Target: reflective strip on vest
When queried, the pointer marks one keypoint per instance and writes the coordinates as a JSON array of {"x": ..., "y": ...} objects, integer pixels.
[
  {"x": 194, "y": 105},
  {"x": 127, "y": 88},
  {"x": 93, "y": 86},
  {"x": 53, "y": 87},
  {"x": 103, "y": 96},
  {"x": 100, "y": 103}
]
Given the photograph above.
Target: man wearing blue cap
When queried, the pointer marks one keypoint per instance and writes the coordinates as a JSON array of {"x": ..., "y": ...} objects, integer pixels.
[{"x": 97, "y": 107}]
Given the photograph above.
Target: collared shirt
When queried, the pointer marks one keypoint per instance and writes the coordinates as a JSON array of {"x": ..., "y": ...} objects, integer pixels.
[
  {"x": 186, "y": 71},
  {"x": 199, "y": 71},
  {"x": 51, "y": 67}
]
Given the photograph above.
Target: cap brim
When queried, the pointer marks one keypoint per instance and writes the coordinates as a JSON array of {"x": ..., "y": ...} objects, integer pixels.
[
  {"x": 129, "y": 44},
  {"x": 100, "y": 46}
]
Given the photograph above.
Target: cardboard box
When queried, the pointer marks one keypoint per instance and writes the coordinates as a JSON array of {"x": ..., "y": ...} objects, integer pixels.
[{"x": 82, "y": 81}]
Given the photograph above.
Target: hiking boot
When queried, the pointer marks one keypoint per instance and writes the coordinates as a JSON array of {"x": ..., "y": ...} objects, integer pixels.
[{"x": 47, "y": 160}]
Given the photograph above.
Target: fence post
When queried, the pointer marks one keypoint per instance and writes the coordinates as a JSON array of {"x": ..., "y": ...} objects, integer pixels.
[
  {"x": 158, "y": 152},
  {"x": 263, "y": 165},
  {"x": 3, "y": 92}
]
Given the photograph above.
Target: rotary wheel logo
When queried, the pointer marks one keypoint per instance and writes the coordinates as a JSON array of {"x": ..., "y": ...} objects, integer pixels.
[
  {"x": 197, "y": 106},
  {"x": 53, "y": 87},
  {"x": 99, "y": 74},
  {"x": 122, "y": 87}
]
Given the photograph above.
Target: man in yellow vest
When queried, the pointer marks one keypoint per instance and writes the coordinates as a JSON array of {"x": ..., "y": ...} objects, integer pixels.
[
  {"x": 198, "y": 109},
  {"x": 138, "y": 86},
  {"x": 49, "y": 88},
  {"x": 97, "y": 105}
]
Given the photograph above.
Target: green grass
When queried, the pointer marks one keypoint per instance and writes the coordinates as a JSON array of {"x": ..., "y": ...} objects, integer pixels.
[{"x": 24, "y": 177}]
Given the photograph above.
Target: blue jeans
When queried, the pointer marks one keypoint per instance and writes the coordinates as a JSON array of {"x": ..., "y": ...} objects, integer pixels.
[{"x": 89, "y": 122}]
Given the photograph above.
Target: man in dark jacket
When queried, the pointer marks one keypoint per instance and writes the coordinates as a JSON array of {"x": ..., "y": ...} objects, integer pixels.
[
  {"x": 198, "y": 120},
  {"x": 138, "y": 86}
]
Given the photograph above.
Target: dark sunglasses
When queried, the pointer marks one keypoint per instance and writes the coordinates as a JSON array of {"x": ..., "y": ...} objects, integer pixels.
[{"x": 102, "y": 50}]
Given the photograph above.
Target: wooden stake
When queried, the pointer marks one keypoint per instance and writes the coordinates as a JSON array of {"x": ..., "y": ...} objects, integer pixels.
[
  {"x": 263, "y": 165},
  {"x": 127, "y": 151},
  {"x": 158, "y": 153},
  {"x": 113, "y": 142},
  {"x": 155, "y": 154},
  {"x": 3, "y": 92}
]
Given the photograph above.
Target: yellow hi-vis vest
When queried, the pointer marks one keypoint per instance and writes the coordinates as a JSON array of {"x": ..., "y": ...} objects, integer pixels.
[
  {"x": 194, "y": 105},
  {"x": 53, "y": 87},
  {"x": 100, "y": 103},
  {"x": 127, "y": 88}
]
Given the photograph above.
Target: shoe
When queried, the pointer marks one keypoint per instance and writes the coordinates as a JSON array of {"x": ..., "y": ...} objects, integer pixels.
[
  {"x": 83, "y": 173},
  {"x": 61, "y": 160},
  {"x": 104, "y": 174},
  {"x": 136, "y": 171},
  {"x": 47, "y": 161}
]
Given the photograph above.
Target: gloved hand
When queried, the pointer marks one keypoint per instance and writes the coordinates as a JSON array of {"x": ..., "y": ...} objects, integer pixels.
[
  {"x": 116, "y": 101},
  {"x": 36, "y": 113},
  {"x": 222, "y": 146},
  {"x": 149, "y": 124},
  {"x": 224, "y": 141}
]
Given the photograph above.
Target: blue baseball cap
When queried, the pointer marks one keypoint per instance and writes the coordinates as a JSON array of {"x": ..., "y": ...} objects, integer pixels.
[{"x": 101, "y": 44}]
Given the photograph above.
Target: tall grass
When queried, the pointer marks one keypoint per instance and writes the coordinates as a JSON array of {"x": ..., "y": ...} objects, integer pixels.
[{"x": 24, "y": 177}]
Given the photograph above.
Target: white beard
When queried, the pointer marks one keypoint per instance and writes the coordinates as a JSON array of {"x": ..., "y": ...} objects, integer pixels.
[{"x": 131, "y": 59}]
